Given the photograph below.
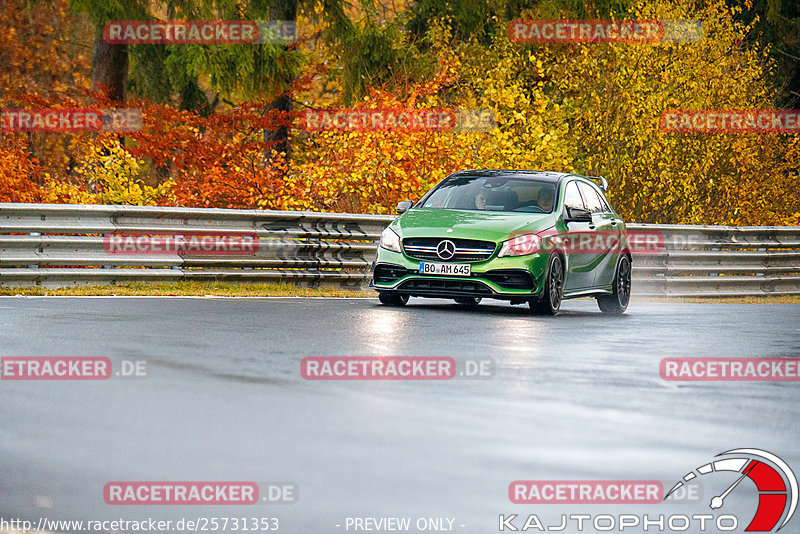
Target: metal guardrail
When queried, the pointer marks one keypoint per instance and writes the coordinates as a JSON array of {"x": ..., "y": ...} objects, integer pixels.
[
  {"x": 56, "y": 245},
  {"x": 310, "y": 249},
  {"x": 720, "y": 261}
]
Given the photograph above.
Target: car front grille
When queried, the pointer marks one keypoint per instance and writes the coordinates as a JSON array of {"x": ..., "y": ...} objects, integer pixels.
[{"x": 424, "y": 248}]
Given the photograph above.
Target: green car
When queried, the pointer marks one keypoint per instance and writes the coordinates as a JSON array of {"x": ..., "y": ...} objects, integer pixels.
[{"x": 522, "y": 236}]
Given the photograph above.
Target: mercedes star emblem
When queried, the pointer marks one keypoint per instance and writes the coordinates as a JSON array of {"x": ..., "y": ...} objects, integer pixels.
[{"x": 446, "y": 249}]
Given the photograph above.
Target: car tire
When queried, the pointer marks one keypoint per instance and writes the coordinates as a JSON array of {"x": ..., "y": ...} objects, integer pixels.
[
  {"x": 550, "y": 302},
  {"x": 391, "y": 298},
  {"x": 468, "y": 302},
  {"x": 617, "y": 302}
]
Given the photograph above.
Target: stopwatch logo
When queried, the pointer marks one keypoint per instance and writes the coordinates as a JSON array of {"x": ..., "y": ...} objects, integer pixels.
[{"x": 775, "y": 481}]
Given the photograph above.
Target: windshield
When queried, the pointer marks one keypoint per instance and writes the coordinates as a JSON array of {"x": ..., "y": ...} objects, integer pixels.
[{"x": 493, "y": 193}]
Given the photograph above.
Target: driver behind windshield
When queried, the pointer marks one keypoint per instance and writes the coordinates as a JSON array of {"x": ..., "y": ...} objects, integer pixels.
[
  {"x": 480, "y": 200},
  {"x": 546, "y": 199}
]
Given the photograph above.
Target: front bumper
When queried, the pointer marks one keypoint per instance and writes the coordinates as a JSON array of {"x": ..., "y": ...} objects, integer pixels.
[{"x": 510, "y": 278}]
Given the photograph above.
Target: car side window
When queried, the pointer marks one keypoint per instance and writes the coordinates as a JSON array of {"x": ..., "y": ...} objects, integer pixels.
[
  {"x": 572, "y": 197},
  {"x": 605, "y": 203},
  {"x": 592, "y": 199}
]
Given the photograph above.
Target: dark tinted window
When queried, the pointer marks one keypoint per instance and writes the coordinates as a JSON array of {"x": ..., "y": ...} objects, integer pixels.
[{"x": 492, "y": 193}]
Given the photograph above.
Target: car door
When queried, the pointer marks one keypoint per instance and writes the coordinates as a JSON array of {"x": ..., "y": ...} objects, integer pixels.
[
  {"x": 606, "y": 239},
  {"x": 579, "y": 269}
]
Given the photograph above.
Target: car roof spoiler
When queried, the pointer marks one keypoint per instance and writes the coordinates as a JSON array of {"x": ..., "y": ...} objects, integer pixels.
[{"x": 603, "y": 181}]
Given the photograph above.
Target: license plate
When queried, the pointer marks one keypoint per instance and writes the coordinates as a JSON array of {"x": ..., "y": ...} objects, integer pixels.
[{"x": 448, "y": 269}]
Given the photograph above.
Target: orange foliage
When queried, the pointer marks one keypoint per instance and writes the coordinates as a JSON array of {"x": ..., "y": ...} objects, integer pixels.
[
  {"x": 223, "y": 160},
  {"x": 45, "y": 51},
  {"x": 17, "y": 172},
  {"x": 216, "y": 161}
]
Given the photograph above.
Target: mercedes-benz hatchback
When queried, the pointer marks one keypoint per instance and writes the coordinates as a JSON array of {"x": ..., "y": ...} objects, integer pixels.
[{"x": 523, "y": 236}]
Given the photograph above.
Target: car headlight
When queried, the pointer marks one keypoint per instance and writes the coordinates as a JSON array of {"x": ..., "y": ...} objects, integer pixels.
[
  {"x": 390, "y": 240},
  {"x": 521, "y": 245}
]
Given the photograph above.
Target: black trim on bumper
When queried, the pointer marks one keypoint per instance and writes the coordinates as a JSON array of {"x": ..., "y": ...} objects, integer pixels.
[
  {"x": 388, "y": 273},
  {"x": 445, "y": 287},
  {"x": 451, "y": 287},
  {"x": 510, "y": 278}
]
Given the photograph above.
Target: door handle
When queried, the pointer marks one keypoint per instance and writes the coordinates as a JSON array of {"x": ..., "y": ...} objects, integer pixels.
[{"x": 613, "y": 223}]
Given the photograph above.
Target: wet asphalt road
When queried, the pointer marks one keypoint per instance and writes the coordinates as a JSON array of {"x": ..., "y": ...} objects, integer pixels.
[{"x": 577, "y": 396}]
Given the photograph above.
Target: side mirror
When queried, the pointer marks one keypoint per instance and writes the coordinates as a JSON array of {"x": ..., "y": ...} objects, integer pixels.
[
  {"x": 578, "y": 215},
  {"x": 404, "y": 206}
]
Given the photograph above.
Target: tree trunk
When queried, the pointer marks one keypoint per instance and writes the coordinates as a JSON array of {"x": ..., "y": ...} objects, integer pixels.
[
  {"x": 110, "y": 68},
  {"x": 280, "y": 136},
  {"x": 281, "y": 10}
]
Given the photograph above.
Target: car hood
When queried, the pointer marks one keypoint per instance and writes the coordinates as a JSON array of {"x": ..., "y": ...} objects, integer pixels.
[{"x": 483, "y": 225}]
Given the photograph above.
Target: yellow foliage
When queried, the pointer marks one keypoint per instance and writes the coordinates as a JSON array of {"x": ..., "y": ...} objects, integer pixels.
[
  {"x": 111, "y": 176},
  {"x": 590, "y": 109}
]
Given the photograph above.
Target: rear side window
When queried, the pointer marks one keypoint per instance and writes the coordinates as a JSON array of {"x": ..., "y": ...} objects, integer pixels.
[
  {"x": 572, "y": 198},
  {"x": 606, "y": 205},
  {"x": 593, "y": 201}
]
